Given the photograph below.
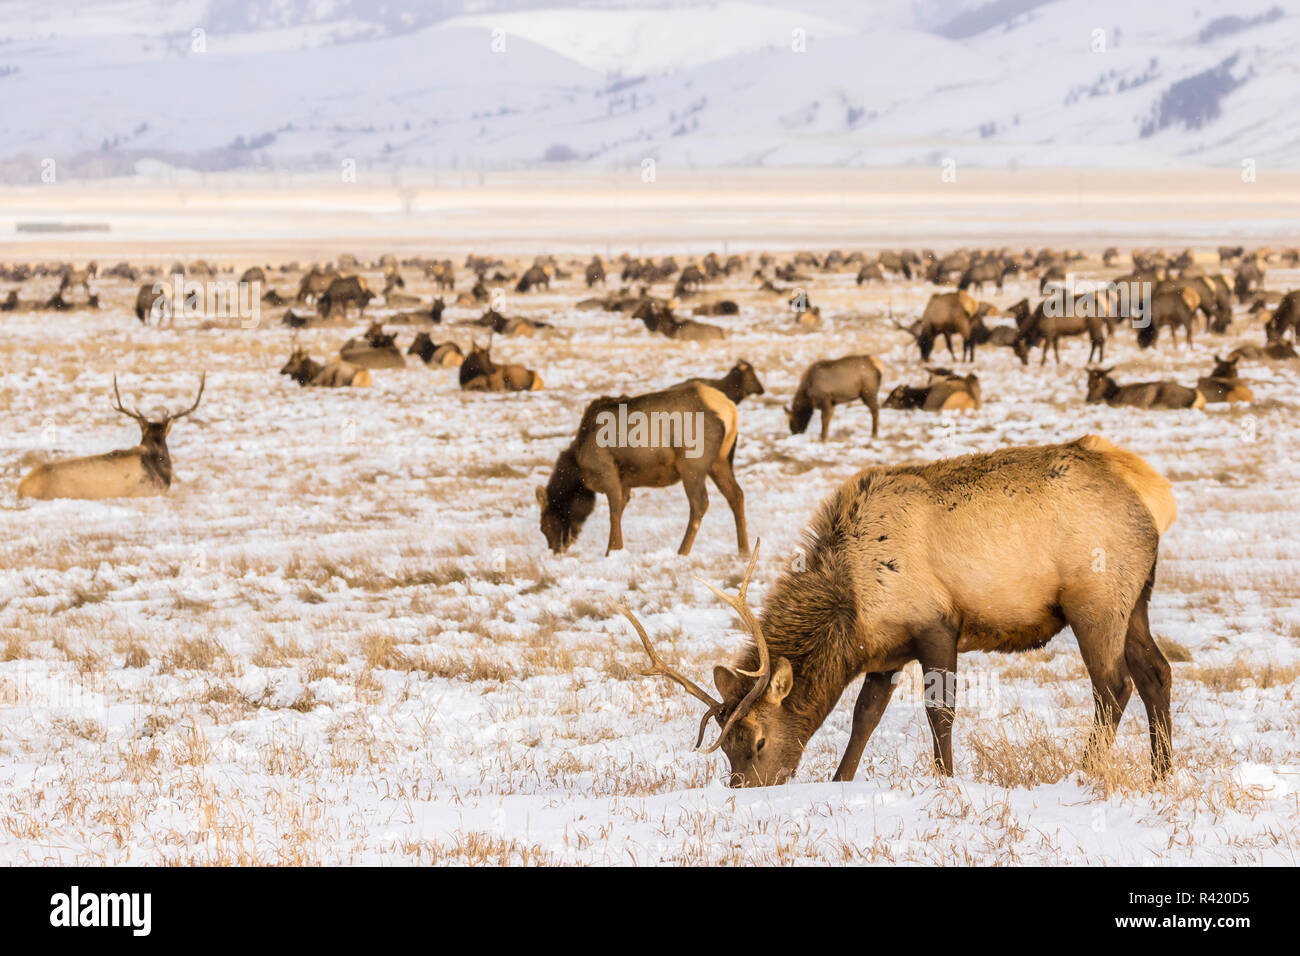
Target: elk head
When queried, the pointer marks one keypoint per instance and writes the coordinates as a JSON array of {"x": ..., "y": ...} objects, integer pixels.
[
  {"x": 761, "y": 738},
  {"x": 154, "y": 433}
]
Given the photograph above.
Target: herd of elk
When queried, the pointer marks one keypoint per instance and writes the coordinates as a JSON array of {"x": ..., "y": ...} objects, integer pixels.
[
  {"x": 992, "y": 552},
  {"x": 145, "y": 469}
]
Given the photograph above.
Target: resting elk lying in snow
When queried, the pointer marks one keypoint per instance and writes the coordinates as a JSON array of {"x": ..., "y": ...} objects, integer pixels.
[
  {"x": 685, "y": 434},
  {"x": 832, "y": 382},
  {"x": 944, "y": 392},
  {"x": 446, "y": 354},
  {"x": 1223, "y": 385},
  {"x": 921, "y": 562},
  {"x": 1164, "y": 394},
  {"x": 135, "y": 472},
  {"x": 305, "y": 370},
  {"x": 478, "y": 373},
  {"x": 375, "y": 349}
]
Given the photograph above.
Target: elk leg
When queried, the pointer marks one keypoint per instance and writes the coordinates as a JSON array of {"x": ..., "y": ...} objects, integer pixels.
[
  {"x": 1056, "y": 350},
  {"x": 872, "y": 700},
  {"x": 1150, "y": 672},
  {"x": 947, "y": 338},
  {"x": 725, "y": 480},
  {"x": 699, "y": 500},
  {"x": 873, "y": 403},
  {"x": 827, "y": 411},
  {"x": 1046, "y": 343},
  {"x": 1103, "y": 655},
  {"x": 937, "y": 652},
  {"x": 611, "y": 486}
]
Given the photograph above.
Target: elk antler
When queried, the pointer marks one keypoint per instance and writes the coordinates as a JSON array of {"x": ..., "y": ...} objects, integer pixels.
[
  {"x": 659, "y": 668},
  {"x": 741, "y": 607},
  {"x": 118, "y": 406},
  {"x": 203, "y": 380}
]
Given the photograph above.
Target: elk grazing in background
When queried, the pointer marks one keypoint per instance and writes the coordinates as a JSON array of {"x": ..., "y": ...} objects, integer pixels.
[
  {"x": 832, "y": 382},
  {"x": 1103, "y": 388},
  {"x": 920, "y": 562},
  {"x": 625, "y": 443},
  {"x": 740, "y": 382},
  {"x": 949, "y": 314},
  {"x": 152, "y": 304},
  {"x": 135, "y": 472},
  {"x": 1088, "y": 313}
]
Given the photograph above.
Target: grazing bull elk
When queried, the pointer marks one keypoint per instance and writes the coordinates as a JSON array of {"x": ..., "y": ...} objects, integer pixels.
[
  {"x": 832, "y": 382},
  {"x": 921, "y": 562},
  {"x": 135, "y": 472},
  {"x": 625, "y": 443}
]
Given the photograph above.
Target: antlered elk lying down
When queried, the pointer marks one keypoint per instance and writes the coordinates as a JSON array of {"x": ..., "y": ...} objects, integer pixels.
[
  {"x": 687, "y": 433},
  {"x": 1165, "y": 394},
  {"x": 135, "y": 472},
  {"x": 832, "y": 382},
  {"x": 921, "y": 562}
]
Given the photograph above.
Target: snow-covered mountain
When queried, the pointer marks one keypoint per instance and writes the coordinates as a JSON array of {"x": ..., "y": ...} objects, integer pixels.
[{"x": 219, "y": 84}]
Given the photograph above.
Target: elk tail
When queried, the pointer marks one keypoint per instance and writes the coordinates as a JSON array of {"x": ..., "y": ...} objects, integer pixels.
[
  {"x": 1151, "y": 487},
  {"x": 725, "y": 409},
  {"x": 361, "y": 379}
]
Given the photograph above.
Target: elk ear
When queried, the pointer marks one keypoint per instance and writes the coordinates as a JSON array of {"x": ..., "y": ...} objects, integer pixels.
[
  {"x": 781, "y": 681},
  {"x": 540, "y": 490},
  {"x": 730, "y": 684}
]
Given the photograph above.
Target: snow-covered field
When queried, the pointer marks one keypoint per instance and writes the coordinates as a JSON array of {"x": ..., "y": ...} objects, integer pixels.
[{"x": 340, "y": 637}]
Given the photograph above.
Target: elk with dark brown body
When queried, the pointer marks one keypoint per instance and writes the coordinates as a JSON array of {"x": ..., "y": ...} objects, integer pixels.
[
  {"x": 135, "y": 472},
  {"x": 923, "y": 562},
  {"x": 602, "y": 460},
  {"x": 1175, "y": 308},
  {"x": 152, "y": 304},
  {"x": 832, "y": 382},
  {"x": 1103, "y": 388}
]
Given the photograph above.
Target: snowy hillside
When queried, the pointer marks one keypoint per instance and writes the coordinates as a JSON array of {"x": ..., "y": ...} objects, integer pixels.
[{"x": 219, "y": 84}]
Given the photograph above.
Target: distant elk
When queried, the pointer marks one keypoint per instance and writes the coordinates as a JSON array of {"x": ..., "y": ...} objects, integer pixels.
[
  {"x": 1223, "y": 385},
  {"x": 535, "y": 278},
  {"x": 342, "y": 292},
  {"x": 305, "y": 370},
  {"x": 1088, "y": 313},
  {"x": 1172, "y": 308},
  {"x": 659, "y": 318},
  {"x": 152, "y": 304},
  {"x": 314, "y": 284},
  {"x": 135, "y": 472},
  {"x": 832, "y": 382},
  {"x": 443, "y": 275},
  {"x": 1164, "y": 394},
  {"x": 685, "y": 434},
  {"x": 595, "y": 272},
  {"x": 737, "y": 384},
  {"x": 78, "y": 277},
  {"x": 446, "y": 354},
  {"x": 376, "y": 349},
  {"x": 993, "y": 552},
  {"x": 949, "y": 314},
  {"x": 943, "y": 393},
  {"x": 478, "y": 373}
]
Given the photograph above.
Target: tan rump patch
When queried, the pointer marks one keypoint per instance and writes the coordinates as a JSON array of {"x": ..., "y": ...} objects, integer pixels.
[
  {"x": 725, "y": 409},
  {"x": 967, "y": 303},
  {"x": 537, "y": 385},
  {"x": 1192, "y": 299},
  {"x": 361, "y": 379},
  {"x": 1240, "y": 393},
  {"x": 1151, "y": 487},
  {"x": 1199, "y": 401},
  {"x": 959, "y": 401},
  {"x": 880, "y": 366}
]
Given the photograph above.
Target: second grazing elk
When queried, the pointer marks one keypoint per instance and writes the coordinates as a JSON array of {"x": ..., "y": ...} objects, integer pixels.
[
  {"x": 145, "y": 469},
  {"x": 993, "y": 552}
]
